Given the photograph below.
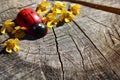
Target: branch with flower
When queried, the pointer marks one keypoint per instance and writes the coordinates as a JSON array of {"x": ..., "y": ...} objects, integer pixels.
[{"x": 57, "y": 13}]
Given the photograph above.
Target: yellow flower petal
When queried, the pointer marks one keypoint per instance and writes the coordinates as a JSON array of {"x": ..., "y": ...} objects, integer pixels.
[
  {"x": 58, "y": 11},
  {"x": 67, "y": 20},
  {"x": 16, "y": 48},
  {"x": 50, "y": 19},
  {"x": 16, "y": 40},
  {"x": 39, "y": 11},
  {"x": 5, "y": 44},
  {"x": 8, "y": 50},
  {"x": 49, "y": 25},
  {"x": 42, "y": 7},
  {"x": 9, "y": 29},
  {"x": 44, "y": 19},
  {"x": 17, "y": 27},
  {"x": 7, "y": 25},
  {"x": 74, "y": 8},
  {"x": 3, "y": 29},
  {"x": 58, "y": 7},
  {"x": 23, "y": 28},
  {"x": 67, "y": 16},
  {"x": 19, "y": 34},
  {"x": 56, "y": 21},
  {"x": 10, "y": 45},
  {"x": 45, "y": 11}
]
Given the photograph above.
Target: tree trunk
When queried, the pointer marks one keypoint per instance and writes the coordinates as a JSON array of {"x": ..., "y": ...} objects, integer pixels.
[{"x": 86, "y": 48}]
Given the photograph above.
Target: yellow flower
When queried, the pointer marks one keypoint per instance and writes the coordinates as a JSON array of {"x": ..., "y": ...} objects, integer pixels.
[
  {"x": 19, "y": 32},
  {"x": 74, "y": 8},
  {"x": 66, "y": 16},
  {"x": 10, "y": 45},
  {"x": 58, "y": 7},
  {"x": 7, "y": 25},
  {"x": 42, "y": 7},
  {"x": 49, "y": 20}
]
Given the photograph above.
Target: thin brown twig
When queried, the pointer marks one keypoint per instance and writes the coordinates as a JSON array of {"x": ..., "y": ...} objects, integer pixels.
[{"x": 96, "y": 6}]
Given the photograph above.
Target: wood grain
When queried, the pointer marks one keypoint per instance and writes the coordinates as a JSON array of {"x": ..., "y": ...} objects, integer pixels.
[{"x": 87, "y": 48}]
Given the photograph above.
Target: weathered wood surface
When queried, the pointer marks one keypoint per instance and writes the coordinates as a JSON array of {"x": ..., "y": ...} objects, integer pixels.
[{"x": 87, "y": 48}]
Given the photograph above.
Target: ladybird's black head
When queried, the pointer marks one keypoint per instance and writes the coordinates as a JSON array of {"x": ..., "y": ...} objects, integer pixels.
[{"x": 39, "y": 29}]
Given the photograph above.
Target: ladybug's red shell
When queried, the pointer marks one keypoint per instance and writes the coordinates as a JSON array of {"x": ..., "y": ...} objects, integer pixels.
[{"x": 28, "y": 17}]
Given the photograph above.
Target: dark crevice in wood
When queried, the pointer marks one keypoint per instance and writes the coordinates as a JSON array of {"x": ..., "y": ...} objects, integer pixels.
[
  {"x": 57, "y": 48},
  {"x": 117, "y": 54},
  {"x": 105, "y": 71},
  {"x": 107, "y": 44},
  {"x": 111, "y": 38},
  {"x": 116, "y": 31},
  {"x": 108, "y": 31},
  {"x": 94, "y": 65},
  {"x": 91, "y": 42},
  {"x": 105, "y": 26},
  {"x": 80, "y": 55},
  {"x": 97, "y": 21},
  {"x": 102, "y": 69},
  {"x": 115, "y": 37},
  {"x": 116, "y": 74}
]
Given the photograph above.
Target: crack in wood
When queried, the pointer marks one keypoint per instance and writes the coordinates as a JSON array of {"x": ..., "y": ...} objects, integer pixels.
[
  {"x": 93, "y": 64},
  {"x": 107, "y": 27},
  {"x": 91, "y": 42},
  {"x": 57, "y": 48},
  {"x": 97, "y": 22},
  {"x": 116, "y": 31},
  {"x": 105, "y": 71},
  {"x": 116, "y": 74},
  {"x": 102, "y": 68},
  {"x": 111, "y": 37},
  {"x": 107, "y": 44},
  {"x": 80, "y": 55}
]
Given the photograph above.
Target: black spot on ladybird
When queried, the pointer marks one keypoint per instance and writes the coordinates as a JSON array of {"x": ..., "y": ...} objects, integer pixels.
[
  {"x": 25, "y": 21},
  {"x": 25, "y": 14},
  {"x": 32, "y": 12}
]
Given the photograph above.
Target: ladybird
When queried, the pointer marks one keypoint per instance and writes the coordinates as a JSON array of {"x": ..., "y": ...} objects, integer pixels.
[{"x": 29, "y": 18}]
